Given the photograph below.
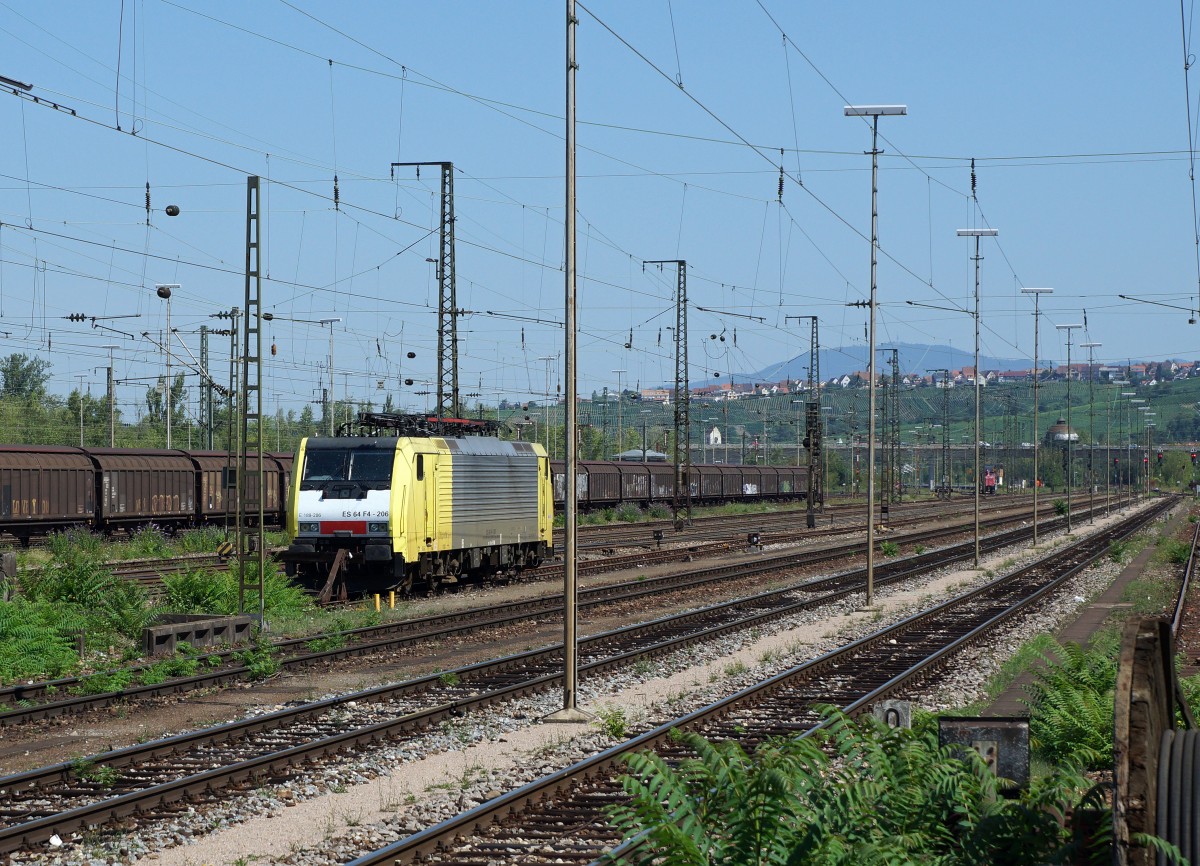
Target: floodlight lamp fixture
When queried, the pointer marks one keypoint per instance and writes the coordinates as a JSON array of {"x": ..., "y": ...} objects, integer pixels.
[
  {"x": 1068, "y": 327},
  {"x": 329, "y": 321},
  {"x": 874, "y": 110},
  {"x": 1091, "y": 345},
  {"x": 977, "y": 233},
  {"x": 1036, "y": 291}
]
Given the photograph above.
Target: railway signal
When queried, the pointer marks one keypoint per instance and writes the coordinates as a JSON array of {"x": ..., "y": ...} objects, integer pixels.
[{"x": 1193, "y": 458}]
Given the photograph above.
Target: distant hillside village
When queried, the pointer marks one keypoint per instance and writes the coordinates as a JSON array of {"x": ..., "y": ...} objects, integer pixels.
[{"x": 1135, "y": 374}]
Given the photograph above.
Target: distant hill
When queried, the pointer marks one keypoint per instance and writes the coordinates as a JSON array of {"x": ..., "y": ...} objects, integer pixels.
[{"x": 914, "y": 358}]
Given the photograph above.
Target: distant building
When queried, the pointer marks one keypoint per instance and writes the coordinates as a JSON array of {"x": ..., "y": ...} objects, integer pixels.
[{"x": 1060, "y": 433}]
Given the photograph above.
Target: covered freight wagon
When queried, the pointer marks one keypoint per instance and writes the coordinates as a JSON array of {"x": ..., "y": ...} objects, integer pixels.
[
  {"x": 45, "y": 486},
  {"x": 144, "y": 487}
]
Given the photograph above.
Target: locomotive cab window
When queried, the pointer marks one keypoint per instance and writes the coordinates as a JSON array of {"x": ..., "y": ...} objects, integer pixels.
[
  {"x": 370, "y": 467},
  {"x": 420, "y": 467}
]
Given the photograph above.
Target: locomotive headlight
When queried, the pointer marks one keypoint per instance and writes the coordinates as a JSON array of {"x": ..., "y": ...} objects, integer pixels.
[
  {"x": 310, "y": 527},
  {"x": 377, "y": 527}
]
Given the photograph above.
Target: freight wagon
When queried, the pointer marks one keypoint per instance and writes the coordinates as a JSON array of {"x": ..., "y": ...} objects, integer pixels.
[
  {"x": 45, "y": 488},
  {"x": 608, "y": 483}
]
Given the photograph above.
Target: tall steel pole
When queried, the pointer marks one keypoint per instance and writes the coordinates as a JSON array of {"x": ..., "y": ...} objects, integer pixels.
[
  {"x": 112, "y": 413},
  {"x": 977, "y": 234},
  {"x": 1091, "y": 433},
  {"x": 1127, "y": 437},
  {"x": 163, "y": 290},
  {"x": 330, "y": 403},
  {"x": 620, "y": 420},
  {"x": 874, "y": 112},
  {"x": 570, "y": 711},
  {"x": 1070, "y": 432},
  {"x": 1037, "y": 295}
]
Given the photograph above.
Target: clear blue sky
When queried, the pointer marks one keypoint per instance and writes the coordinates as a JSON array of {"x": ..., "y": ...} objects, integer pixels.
[{"x": 1076, "y": 114}]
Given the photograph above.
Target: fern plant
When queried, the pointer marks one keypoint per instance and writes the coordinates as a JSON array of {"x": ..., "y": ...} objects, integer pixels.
[
  {"x": 886, "y": 797},
  {"x": 1071, "y": 706}
]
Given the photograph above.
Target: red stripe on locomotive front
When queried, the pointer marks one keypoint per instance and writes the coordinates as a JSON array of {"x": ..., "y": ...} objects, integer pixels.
[{"x": 358, "y": 527}]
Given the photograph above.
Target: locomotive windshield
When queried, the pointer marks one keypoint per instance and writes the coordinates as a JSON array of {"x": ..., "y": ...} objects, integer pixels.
[{"x": 368, "y": 466}]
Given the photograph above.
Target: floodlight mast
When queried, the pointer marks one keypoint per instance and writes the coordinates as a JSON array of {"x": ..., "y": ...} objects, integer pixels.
[
  {"x": 874, "y": 112},
  {"x": 1070, "y": 455},
  {"x": 977, "y": 234},
  {"x": 1037, "y": 294},
  {"x": 1091, "y": 432}
]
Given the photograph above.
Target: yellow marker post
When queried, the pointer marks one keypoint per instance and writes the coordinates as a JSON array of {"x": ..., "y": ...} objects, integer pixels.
[
  {"x": 377, "y": 602},
  {"x": 392, "y": 599}
]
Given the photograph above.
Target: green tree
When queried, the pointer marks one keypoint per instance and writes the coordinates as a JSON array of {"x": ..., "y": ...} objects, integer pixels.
[{"x": 24, "y": 378}]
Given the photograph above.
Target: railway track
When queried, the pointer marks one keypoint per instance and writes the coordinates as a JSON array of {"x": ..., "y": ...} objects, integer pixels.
[
  {"x": 155, "y": 779},
  {"x": 613, "y": 561},
  {"x": 23, "y": 703},
  {"x": 705, "y": 528},
  {"x": 560, "y": 817},
  {"x": 28, "y": 702}
]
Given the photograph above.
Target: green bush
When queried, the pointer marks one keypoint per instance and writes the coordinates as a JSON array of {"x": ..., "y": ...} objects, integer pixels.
[
  {"x": 202, "y": 540},
  {"x": 148, "y": 542},
  {"x": 185, "y": 663},
  {"x": 75, "y": 544},
  {"x": 82, "y": 588},
  {"x": 888, "y": 796},
  {"x": 1176, "y": 552},
  {"x": 261, "y": 660},
  {"x": 628, "y": 512},
  {"x": 216, "y": 592},
  {"x": 37, "y": 639},
  {"x": 103, "y": 683},
  {"x": 1060, "y": 507},
  {"x": 328, "y": 642},
  {"x": 889, "y": 548}
]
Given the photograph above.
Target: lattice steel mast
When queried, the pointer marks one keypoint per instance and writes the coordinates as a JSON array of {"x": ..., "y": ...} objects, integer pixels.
[
  {"x": 448, "y": 403},
  {"x": 683, "y": 459},
  {"x": 250, "y": 544}
]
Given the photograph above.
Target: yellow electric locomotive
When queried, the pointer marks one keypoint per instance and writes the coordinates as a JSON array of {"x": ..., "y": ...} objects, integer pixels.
[{"x": 376, "y": 512}]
